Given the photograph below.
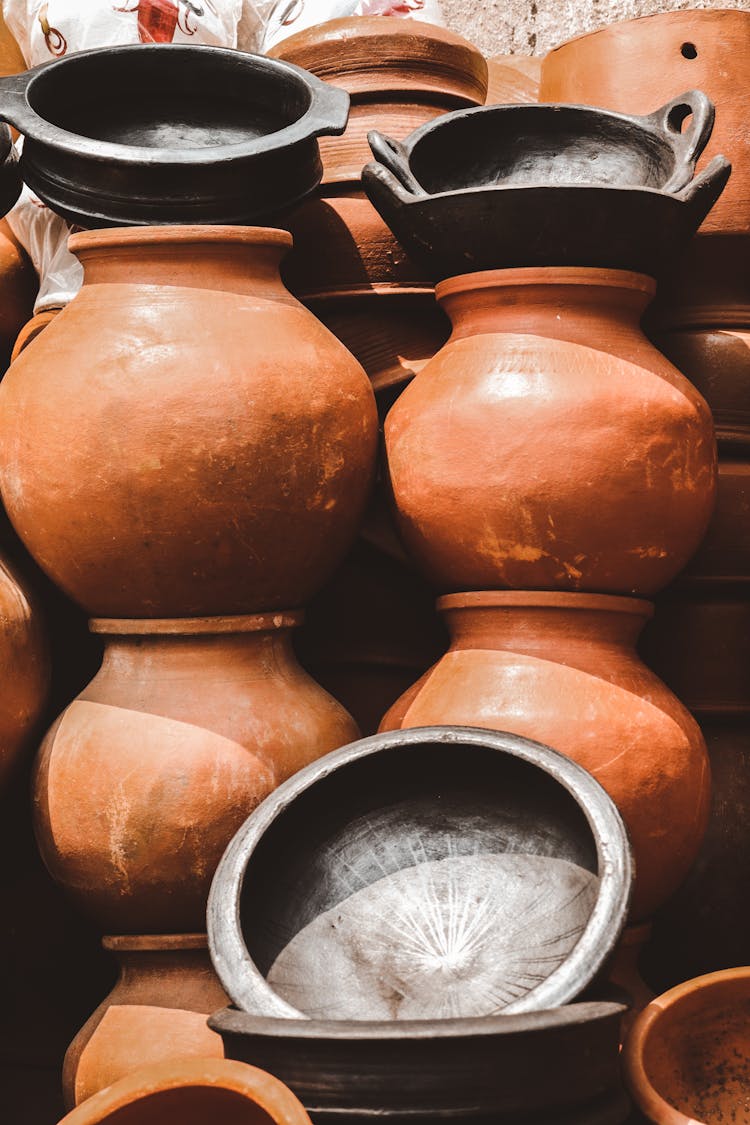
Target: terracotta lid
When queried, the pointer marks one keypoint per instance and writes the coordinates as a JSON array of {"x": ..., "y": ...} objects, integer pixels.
[{"x": 379, "y": 53}]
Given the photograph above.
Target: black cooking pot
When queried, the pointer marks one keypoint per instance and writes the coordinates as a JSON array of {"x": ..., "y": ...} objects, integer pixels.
[
  {"x": 152, "y": 133},
  {"x": 548, "y": 185}
]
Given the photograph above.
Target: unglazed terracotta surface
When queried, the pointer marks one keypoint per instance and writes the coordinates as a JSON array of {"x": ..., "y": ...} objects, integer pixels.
[
  {"x": 24, "y": 666},
  {"x": 513, "y": 79},
  {"x": 155, "y": 1013},
  {"x": 687, "y": 1057},
  {"x": 18, "y": 286},
  {"x": 193, "y": 1092},
  {"x": 637, "y": 65},
  {"x": 562, "y": 669},
  {"x": 548, "y": 403},
  {"x": 186, "y": 472},
  {"x": 144, "y": 778}
]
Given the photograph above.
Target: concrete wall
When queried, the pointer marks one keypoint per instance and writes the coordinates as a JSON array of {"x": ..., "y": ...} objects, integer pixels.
[{"x": 533, "y": 27}]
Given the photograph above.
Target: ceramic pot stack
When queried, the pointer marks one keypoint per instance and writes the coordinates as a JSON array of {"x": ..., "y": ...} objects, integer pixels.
[
  {"x": 699, "y": 640},
  {"x": 550, "y": 468},
  {"x": 193, "y": 490}
]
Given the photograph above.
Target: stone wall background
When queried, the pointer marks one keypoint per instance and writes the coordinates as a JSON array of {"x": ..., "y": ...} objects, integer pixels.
[{"x": 533, "y": 27}]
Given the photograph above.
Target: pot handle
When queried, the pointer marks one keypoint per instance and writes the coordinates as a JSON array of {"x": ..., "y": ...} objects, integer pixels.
[
  {"x": 14, "y": 106},
  {"x": 386, "y": 193},
  {"x": 330, "y": 109},
  {"x": 393, "y": 156},
  {"x": 702, "y": 192},
  {"x": 689, "y": 143}
]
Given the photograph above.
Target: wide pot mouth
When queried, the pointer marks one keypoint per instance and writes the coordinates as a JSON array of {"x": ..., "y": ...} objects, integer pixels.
[
  {"x": 197, "y": 626},
  {"x": 175, "y": 103},
  {"x": 155, "y": 943},
  {"x": 573, "y": 277},
  {"x": 411, "y": 835},
  {"x": 546, "y": 599},
  {"x": 112, "y": 238},
  {"x": 687, "y": 1056}
]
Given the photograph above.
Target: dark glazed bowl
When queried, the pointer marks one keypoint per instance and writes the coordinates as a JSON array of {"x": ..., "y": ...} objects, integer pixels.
[
  {"x": 557, "y": 185},
  {"x": 434, "y": 873},
  {"x": 10, "y": 175},
  {"x": 146, "y": 134},
  {"x": 558, "y": 1067}
]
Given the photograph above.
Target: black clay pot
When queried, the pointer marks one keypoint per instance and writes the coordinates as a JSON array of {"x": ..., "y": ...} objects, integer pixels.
[
  {"x": 552, "y": 185},
  {"x": 146, "y": 134},
  {"x": 433, "y": 873},
  {"x": 558, "y": 1067},
  {"x": 10, "y": 175}
]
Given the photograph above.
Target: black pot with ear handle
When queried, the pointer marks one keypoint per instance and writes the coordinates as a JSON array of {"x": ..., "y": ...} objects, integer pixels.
[{"x": 161, "y": 134}]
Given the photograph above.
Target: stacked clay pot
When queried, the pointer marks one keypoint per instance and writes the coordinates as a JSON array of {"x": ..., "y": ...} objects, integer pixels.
[
  {"x": 548, "y": 461},
  {"x": 346, "y": 265},
  {"x": 194, "y": 488},
  {"x": 698, "y": 641}
]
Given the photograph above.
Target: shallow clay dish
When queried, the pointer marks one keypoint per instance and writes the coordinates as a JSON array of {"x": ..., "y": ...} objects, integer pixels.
[
  {"x": 174, "y": 134},
  {"x": 558, "y": 1067},
  {"x": 439, "y": 872},
  {"x": 687, "y": 1057}
]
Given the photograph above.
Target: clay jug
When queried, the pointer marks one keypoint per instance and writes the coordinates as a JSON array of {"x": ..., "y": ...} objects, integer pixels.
[
  {"x": 192, "y": 1092},
  {"x": 144, "y": 778},
  {"x": 155, "y": 1013},
  {"x": 549, "y": 445},
  {"x": 184, "y": 472},
  {"x": 346, "y": 264},
  {"x": 562, "y": 668}
]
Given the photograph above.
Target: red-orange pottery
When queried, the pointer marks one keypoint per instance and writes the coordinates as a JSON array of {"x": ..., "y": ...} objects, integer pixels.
[
  {"x": 513, "y": 79},
  {"x": 193, "y": 1092},
  {"x": 562, "y": 668},
  {"x": 145, "y": 777},
  {"x": 155, "y": 1013},
  {"x": 208, "y": 446},
  {"x": 687, "y": 1057},
  {"x": 549, "y": 445},
  {"x": 18, "y": 287}
]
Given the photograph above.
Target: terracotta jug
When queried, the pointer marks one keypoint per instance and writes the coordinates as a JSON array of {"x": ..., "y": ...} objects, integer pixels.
[
  {"x": 562, "y": 668},
  {"x": 144, "y": 778},
  {"x": 192, "y": 1092},
  {"x": 346, "y": 265},
  {"x": 155, "y": 1013},
  {"x": 183, "y": 472},
  {"x": 546, "y": 405}
]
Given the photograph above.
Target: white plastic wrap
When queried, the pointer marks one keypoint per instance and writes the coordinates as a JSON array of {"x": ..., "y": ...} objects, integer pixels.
[{"x": 47, "y": 29}]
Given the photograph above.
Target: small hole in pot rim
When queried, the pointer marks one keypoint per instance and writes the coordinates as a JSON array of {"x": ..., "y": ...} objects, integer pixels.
[{"x": 689, "y": 51}]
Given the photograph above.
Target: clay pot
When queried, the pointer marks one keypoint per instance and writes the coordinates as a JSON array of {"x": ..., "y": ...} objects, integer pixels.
[
  {"x": 211, "y": 472},
  {"x": 155, "y": 1013},
  {"x": 191, "y": 1092},
  {"x": 634, "y": 66},
  {"x": 142, "y": 781},
  {"x": 346, "y": 264},
  {"x": 562, "y": 668},
  {"x": 31, "y": 330},
  {"x": 687, "y": 1057},
  {"x": 18, "y": 287},
  {"x": 546, "y": 403},
  {"x": 24, "y": 666},
  {"x": 513, "y": 79}
]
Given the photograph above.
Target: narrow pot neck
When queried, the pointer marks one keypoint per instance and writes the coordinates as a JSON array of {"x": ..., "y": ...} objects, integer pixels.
[
  {"x": 240, "y": 260},
  {"x": 181, "y": 648},
  {"x": 543, "y": 624},
  {"x": 565, "y": 303}
]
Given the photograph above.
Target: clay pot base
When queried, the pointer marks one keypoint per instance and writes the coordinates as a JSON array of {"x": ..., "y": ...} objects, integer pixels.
[{"x": 687, "y": 1058}]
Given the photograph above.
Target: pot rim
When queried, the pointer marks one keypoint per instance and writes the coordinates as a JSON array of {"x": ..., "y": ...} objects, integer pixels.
[
  {"x": 238, "y": 973},
  {"x": 233, "y": 1020},
  {"x": 196, "y": 626},
  {"x": 642, "y": 1090},
  {"x": 165, "y": 234},
  {"x": 324, "y": 100},
  {"x": 546, "y": 599},
  {"x": 569, "y": 276}
]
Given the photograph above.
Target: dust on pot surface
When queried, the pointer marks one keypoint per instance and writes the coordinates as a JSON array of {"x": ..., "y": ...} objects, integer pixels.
[
  {"x": 557, "y": 1067},
  {"x": 152, "y": 148},
  {"x": 687, "y": 1057},
  {"x": 186, "y": 473},
  {"x": 446, "y": 872}
]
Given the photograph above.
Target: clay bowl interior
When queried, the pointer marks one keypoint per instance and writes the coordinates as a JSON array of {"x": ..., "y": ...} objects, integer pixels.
[
  {"x": 151, "y": 99},
  {"x": 539, "y": 145},
  {"x": 688, "y": 1054},
  {"x": 432, "y": 879}
]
